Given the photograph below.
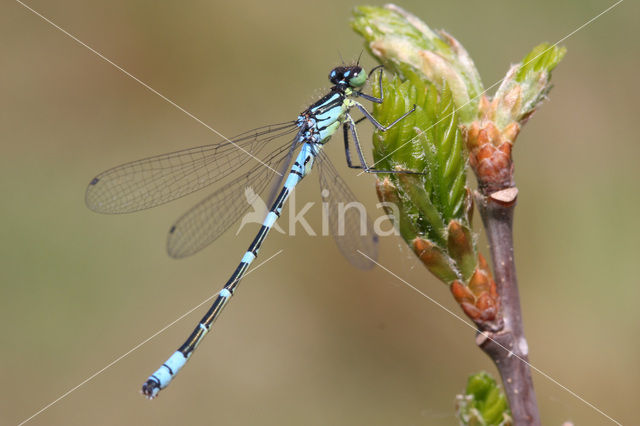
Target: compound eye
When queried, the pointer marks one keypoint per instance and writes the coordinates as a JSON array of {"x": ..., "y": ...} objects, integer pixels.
[{"x": 357, "y": 78}]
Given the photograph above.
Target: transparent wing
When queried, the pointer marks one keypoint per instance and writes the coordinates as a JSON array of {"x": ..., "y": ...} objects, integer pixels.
[
  {"x": 207, "y": 220},
  {"x": 348, "y": 221},
  {"x": 157, "y": 180}
]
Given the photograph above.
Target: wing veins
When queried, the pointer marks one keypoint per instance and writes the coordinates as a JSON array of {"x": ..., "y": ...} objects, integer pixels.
[{"x": 162, "y": 178}]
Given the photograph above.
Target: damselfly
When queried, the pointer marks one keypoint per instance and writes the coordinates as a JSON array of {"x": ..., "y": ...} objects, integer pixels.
[{"x": 156, "y": 180}]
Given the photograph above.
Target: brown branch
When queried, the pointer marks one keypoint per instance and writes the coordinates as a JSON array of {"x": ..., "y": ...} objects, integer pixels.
[{"x": 507, "y": 347}]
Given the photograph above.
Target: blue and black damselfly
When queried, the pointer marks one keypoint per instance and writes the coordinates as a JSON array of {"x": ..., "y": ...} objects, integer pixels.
[{"x": 156, "y": 180}]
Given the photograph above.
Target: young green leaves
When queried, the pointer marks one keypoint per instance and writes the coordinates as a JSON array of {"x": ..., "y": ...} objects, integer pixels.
[
  {"x": 483, "y": 403},
  {"x": 434, "y": 72},
  {"x": 406, "y": 45},
  {"x": 433, "y": 209}
]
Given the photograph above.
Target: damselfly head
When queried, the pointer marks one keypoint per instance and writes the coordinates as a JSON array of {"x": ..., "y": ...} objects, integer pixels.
[{"x": 351, "y": 76}]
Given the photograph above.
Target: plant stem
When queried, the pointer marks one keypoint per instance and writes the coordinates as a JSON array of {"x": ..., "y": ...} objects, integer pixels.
[{"x": 508, "y": 347}]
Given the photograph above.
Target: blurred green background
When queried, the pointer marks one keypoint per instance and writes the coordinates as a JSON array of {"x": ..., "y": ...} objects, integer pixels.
[{"x": 308, "y": 339}]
